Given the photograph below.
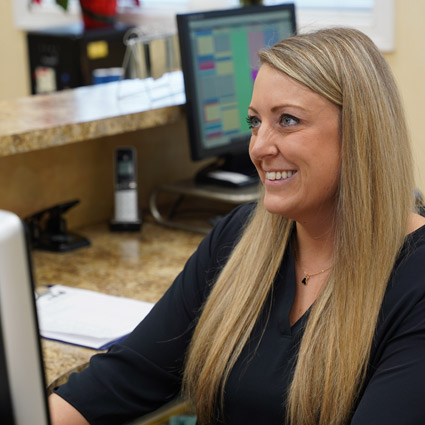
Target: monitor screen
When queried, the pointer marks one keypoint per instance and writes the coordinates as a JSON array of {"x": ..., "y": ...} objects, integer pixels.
[
  {"x": 219, "y": 62},
  {"x": 22, "y": 384}
]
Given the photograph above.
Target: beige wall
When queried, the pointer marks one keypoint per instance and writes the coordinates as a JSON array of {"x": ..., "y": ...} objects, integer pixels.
[
  {"x": 14, "y": 80},
  {"x": 408, "y": 65},
  {"x": 37, "y": 180}
]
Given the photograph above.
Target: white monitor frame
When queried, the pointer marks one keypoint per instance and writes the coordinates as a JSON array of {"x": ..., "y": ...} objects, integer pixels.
[{"x": 18, "y": 319}]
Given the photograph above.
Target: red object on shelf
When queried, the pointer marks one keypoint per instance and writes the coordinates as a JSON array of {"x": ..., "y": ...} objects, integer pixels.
[{"x": 98, "y": 13}]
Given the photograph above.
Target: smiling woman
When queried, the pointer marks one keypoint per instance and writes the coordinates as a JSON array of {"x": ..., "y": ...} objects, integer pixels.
[
  {"x": 308, "y": 307},
  {"x": 314, "y": 116}
]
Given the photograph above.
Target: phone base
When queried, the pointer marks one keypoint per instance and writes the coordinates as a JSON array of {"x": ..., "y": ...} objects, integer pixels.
[
  {"x": 61, "y": 242},
  {"x": 120, "y": 226}
]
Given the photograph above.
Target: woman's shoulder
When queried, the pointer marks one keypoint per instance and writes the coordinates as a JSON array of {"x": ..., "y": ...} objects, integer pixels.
[
  {"x": 231, "y": 225},
  {"x": 416, "y": 221},
  {"x": 216, "y": 247},
  {"x": 408, "y": 276},
  {"x": 413, "y": 249},
  {"x": 405, "y": 293},
  {"x": 240, "y": 214}
]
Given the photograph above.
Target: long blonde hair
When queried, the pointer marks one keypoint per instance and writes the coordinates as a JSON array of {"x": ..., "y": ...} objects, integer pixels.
[{"x": 375, "y": 197}]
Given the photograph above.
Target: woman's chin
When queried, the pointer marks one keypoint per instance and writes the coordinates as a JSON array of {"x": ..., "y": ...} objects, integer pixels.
[{"x": 280, "y": 208}]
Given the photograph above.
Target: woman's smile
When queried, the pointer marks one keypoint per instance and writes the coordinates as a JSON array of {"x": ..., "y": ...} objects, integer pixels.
[{"x": 275, "y": 176}]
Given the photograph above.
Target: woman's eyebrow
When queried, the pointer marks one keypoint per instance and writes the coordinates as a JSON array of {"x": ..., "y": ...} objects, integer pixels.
[
  {"x": 288, "y": 105},
  {"x": 278, "y": 107}
]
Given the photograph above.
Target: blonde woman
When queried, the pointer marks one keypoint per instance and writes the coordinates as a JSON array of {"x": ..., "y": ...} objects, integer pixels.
[{"x": 308, "y": 308}]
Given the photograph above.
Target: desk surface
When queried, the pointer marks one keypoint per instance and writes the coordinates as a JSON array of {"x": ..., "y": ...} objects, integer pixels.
[{"x": 140, "y": 265}]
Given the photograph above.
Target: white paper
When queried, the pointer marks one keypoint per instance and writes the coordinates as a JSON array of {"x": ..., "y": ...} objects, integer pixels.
[{"x": 87, "y": 318}]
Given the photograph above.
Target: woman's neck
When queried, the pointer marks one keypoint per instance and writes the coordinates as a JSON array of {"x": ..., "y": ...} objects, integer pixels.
[{"x": 314, "y": 248}]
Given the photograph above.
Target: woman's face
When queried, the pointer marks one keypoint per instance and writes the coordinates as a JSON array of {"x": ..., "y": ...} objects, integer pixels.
[{"x": 295, "y": 146}]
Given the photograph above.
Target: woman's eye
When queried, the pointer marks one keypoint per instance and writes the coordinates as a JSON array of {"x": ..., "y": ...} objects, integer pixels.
[
  {"x": 252, "y": 121},
  {"x": 288, "y": 120}
]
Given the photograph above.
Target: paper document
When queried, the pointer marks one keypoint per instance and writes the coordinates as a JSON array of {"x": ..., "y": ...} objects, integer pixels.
[{"x": 87, "y": 318}]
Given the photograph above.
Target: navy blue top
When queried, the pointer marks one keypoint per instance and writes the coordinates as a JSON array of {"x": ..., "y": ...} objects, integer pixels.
[{"x": 142, "y": 373}]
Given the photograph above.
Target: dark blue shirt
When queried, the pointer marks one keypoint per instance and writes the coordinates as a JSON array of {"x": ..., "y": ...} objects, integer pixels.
[{"x": 142, "y": 373}]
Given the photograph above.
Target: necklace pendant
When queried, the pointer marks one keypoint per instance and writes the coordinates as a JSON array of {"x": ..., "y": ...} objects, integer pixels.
[{"x": 305, "y": 279}]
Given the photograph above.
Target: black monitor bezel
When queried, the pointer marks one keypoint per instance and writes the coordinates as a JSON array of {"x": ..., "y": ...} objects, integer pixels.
[{"x": 197, "y": 149}]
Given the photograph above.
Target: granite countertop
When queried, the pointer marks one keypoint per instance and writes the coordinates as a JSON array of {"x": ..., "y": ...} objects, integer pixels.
[
  {"x": 89, "y": 112},
  {"x": 140, "y": 265}
]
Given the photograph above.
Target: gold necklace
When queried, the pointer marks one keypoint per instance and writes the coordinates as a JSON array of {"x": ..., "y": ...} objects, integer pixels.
[{"x": 307, "y": 276}]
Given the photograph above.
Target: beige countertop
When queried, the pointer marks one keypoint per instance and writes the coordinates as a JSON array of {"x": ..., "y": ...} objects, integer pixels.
[
  {"x": 140, "y": 265},
  {"x": 89, "y": 112}
]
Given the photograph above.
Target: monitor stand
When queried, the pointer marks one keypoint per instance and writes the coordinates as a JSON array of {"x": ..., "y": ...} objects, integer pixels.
[
  {"x": 228, "y": 194},
  {"x": 235, "y": 171}
]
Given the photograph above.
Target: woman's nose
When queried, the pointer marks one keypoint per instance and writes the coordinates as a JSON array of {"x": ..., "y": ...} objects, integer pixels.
[{"x": 262, "y": 144}]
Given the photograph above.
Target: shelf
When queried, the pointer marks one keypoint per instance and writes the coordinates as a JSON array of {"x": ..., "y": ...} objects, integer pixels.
[{"x": 90, "y": 112}]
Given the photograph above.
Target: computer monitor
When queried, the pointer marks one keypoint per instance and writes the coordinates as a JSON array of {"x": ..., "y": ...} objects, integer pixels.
[
  {"x": 219, "y": 62},
  {"x": 23, "y": 399}
]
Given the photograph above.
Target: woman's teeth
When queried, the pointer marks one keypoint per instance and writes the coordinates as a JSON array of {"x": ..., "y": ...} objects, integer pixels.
[{"x": 279, "y": 175}]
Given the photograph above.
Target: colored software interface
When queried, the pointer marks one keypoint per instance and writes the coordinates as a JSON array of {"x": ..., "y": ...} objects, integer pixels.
[{"x": 226, "y": 67}]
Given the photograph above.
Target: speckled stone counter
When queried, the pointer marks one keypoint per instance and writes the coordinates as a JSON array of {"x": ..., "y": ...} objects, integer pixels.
[
  {"x": 85, "y": 113},
  {"x": 140, "y": 265}
]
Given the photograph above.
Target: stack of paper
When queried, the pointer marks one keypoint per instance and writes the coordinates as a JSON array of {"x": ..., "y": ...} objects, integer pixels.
[{"x": 87, "y": 318}]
